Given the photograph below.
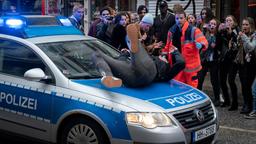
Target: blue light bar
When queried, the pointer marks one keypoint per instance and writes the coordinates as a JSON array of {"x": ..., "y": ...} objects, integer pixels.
[
  {"x": 1, "y": 22},
  {"x": 64, "y": 21},
  {"x": 21, "y": 26},
  {"x": 51, "y": 31},
  {"x": 14, "y": 23}
]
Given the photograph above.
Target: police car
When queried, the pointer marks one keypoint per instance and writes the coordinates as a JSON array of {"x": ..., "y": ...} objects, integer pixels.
[{"x": 50, "y": 90}]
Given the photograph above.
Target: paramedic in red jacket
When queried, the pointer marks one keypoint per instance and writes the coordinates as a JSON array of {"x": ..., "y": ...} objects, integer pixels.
[{"x": 189, "y": 40}]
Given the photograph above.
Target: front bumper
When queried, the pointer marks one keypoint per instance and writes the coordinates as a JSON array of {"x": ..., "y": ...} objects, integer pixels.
[
  {"x": 179, "y": 134},
  {"x": 191, "y": 126}
]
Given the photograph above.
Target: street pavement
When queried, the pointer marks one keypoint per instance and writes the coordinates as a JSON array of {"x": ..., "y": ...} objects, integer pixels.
[{"x": 234, "y": 129}]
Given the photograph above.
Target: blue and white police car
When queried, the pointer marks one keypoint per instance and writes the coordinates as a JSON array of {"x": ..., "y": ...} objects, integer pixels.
[{"x": 51, "y": 91}]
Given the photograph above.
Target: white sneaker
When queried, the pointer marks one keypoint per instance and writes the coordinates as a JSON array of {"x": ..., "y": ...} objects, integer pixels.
[
  {"x": 221, "y": 98},
  {"x": 251, "y": 115},
  {"x": 111, "y": 81}
]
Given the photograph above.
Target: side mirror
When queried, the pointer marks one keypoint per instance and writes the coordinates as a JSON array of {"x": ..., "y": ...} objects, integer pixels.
[{"x": 35, "y": 74}]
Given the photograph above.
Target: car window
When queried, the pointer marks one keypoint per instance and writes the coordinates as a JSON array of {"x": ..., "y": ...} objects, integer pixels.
[
  {"x": 16, "y": 59},
  {"x": 73, "y": 58}
]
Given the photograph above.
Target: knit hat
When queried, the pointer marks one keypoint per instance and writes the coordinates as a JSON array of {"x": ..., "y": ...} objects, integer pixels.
[{"x": 148, "y": 18}]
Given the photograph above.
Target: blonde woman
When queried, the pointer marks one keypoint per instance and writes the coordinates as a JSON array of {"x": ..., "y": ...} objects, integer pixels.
[{"x": 248, "y": 41}]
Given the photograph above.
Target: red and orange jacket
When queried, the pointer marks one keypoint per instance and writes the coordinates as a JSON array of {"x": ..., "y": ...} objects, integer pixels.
[{"x": 185, "y": 41}]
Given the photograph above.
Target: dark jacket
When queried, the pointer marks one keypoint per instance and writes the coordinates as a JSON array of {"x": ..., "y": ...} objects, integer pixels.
[
  {"x": 229, "y": 53},
  {"x": 101, "y": 29},
  {"x": 161, "y": 26},
  {"x": 118, "y": 38},
  {"x": 76, "y": 23},
  {"x": 167, "y": 71},
  {"x": 211, "y": 54},
  {"x": 92, "y": 31}
]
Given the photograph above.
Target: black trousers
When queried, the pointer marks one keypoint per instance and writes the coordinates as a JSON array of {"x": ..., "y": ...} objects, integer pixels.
[
  {"x": 229, "y": 70},
  {"x": 225, "y": 69},
  {"x": 213, "y": 68},
  {"x": 250, "y": 74}
]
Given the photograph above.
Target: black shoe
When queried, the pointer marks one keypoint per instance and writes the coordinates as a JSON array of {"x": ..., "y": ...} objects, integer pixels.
[
  {"x": 216, "y": 103},
  {"x": 245, "y": 111},
  {"x": 224, "y": 104},
  {"x": 233, "y": 108}
]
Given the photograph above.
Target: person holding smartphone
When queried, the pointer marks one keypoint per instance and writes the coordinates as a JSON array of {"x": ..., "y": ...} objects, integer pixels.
[
  {"x": 247, "y": 38},
  {"x": 228, "y": 67}
]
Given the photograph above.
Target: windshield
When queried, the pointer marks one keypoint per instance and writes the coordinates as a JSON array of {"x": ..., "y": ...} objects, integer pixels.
[{"x": 73, "y": 58}]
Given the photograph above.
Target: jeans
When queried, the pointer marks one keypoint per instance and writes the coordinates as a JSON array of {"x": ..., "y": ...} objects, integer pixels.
[{"x": 138, "y": 72}]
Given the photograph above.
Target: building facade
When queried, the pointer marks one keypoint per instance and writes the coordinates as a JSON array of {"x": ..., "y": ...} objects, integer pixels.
[
  {"x": 239, "y": 8},
  {"x": 221, "y": 8}
]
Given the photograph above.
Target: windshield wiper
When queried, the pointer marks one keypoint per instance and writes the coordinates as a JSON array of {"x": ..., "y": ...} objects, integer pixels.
[{"x": 83, "y": 76}]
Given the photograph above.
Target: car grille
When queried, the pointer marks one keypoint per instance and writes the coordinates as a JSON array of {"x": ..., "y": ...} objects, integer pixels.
[{"x": 188, "y": 119}]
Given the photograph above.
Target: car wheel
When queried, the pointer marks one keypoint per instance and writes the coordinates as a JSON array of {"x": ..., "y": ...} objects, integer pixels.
[{"x": 83, "y": 131}]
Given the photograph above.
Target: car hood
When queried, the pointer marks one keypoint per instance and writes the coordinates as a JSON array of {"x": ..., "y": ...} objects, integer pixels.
[{"x": 169, "y": 96}]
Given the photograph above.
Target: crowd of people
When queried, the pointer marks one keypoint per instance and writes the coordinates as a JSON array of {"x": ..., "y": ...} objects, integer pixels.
[
  {"x": 176, "y": 45},
  {"x": 197, "y": 44}
]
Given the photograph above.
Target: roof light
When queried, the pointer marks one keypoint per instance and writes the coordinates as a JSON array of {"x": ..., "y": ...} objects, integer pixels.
[
  {"x": 1, "y": 22},
  {"x": 65, "y": 22},
  {"x": 14, "y": 23}
]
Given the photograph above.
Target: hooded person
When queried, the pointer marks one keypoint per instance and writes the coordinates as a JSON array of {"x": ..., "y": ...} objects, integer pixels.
[
  {"x": 144, "y": 27},
  {"x": 148, "y": 18}
]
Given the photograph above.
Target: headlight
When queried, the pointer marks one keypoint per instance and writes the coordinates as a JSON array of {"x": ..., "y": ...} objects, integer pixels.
[{"x": 149, "y": 120}]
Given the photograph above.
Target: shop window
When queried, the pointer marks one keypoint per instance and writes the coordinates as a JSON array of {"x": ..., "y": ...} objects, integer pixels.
[
  {"x": 8, "y": 6},
  {"x": 252, "y": 8},
  {"x": 97, "y": 5},
  {"x": 118, "y": 5},
  {"x": 21, "y": 6},
  {"x": 123, "y": 5},
  {"x": 30, "y": 6}
]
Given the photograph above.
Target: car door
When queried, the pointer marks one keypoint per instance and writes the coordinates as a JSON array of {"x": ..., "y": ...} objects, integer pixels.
[{"x": 25, "y": 106}]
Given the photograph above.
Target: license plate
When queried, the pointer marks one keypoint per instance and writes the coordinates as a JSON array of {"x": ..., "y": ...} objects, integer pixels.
[{"x": 203, "y": 133}]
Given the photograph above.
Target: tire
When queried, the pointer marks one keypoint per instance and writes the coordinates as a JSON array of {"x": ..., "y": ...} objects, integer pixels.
[{"x": 82, "y": 131}]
